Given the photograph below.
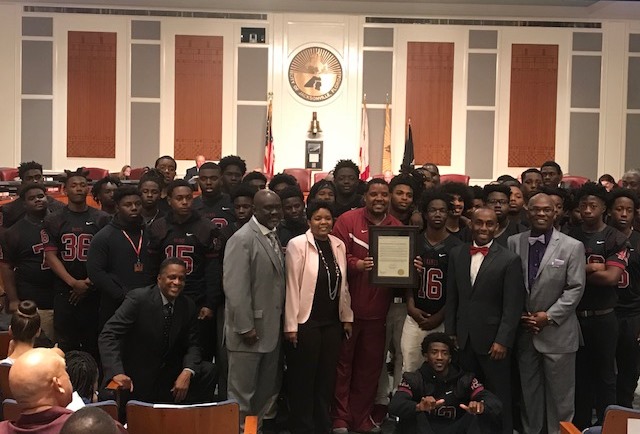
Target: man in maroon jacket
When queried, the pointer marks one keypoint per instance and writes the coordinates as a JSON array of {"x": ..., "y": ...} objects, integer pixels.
[
  {"x": 42, "y": 389},
  {"x": 361, "y": 356}
]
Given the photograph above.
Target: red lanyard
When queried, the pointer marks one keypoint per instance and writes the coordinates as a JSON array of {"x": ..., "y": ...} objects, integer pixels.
[{"x": 137, "y": 250}]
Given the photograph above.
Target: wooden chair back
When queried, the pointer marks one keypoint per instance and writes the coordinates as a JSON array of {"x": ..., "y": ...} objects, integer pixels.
[
  {"x": 5, "y": 338},
  {"x": 10, "y": 409},
  {"x": 616, "y": 418},
  {"x": 110, "y": 407},
  {"x": 568, "y": 428},
  {"x": 212, "y": 418},
  {"x": 5, "y": 390}
]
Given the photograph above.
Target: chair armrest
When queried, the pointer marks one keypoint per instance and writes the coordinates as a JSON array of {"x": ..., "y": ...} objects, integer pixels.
[
  {"x": 251, "y": 425},
  {"x": 113, "y": 386},
  {"x": 568, "y": 428}
]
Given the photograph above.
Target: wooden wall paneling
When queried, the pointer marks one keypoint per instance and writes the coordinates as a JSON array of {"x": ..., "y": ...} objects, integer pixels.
[
  {"x": 91, "y": 94},
  {"x": 430, "y": 100},
  {"x": 198, "y": 97},
  {"x": 533, "y": 105}
]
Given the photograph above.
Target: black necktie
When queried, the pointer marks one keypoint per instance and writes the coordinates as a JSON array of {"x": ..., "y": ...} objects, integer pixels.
[{"x": 168, "y": 317}]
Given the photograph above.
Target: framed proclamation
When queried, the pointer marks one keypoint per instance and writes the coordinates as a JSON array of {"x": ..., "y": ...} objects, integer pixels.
[{"x": 393, "y": 249}]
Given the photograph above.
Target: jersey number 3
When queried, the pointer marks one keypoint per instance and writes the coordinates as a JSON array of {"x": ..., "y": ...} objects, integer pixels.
[{"x": 76, "y": 247}]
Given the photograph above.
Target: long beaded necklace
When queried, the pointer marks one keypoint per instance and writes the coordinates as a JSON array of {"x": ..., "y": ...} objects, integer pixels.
[{"x": 333, "y": 292}]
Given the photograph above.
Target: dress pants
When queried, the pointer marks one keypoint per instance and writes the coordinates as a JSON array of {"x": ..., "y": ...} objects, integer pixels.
[
  {"x": 411, "y": 344},
  {"x": 252, "y": 381},
  {"x": 222, "y": 362},
  {"x": 357, "y": 376},
  {"x": 595, "y": 368},
  {"x": 393, "y": 336},
  {"x": 548, "y": 386},
  {"x": 207, "y": 337},
  {"x": 201, "y": 387},
  {"x": 495, "y": 375},
  {"x": 76, "y": 327},
  {"x": 627, "y": 358},
  {"x": 311, "y": 376}
]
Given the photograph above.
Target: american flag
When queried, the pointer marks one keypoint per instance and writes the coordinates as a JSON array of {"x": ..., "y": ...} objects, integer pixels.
[{"x": 269, "y": 155}]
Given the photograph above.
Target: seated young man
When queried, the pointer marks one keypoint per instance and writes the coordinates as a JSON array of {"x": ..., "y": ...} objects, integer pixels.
[{"x": 440, "y": 398}]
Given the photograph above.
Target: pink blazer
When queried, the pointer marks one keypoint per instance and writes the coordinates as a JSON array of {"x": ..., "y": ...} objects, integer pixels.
[{"x": 302, "y": 274}]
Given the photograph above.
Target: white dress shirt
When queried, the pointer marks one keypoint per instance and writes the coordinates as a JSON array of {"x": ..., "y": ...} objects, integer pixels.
[{"x": 476, "y": 262}]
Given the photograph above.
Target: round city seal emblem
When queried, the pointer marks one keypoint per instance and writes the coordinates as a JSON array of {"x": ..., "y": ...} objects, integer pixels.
[{"x": 315, "y": 74}]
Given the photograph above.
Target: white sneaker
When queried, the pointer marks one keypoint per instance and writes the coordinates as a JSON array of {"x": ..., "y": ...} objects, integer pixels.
[{"x": 340, "y": 431}]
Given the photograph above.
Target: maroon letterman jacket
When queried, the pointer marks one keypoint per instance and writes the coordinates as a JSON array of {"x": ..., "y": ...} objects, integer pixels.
[{"x": 367, "y": 302}]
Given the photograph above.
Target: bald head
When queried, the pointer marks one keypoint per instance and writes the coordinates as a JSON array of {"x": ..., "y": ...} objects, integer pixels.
[
  {"x": 542, "y": 213},
  {"x": 89, "y": 420},
  {"x": 200, "y": 161},
  {"x": 38, "y": 379},
  {"x": 267, "y": 208}
]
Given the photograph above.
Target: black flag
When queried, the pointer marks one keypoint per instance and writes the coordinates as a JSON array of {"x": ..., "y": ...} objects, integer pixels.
[{"x": 407, "y": 160}]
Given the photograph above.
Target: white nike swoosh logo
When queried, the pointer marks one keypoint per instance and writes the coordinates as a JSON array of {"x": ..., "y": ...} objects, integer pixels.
[
  {"x": 188, "y": 234},
  {"x": 89, "y": 223},
  {"x": 364, "y": 231},
  {"x": 225, "y": 209},
  {"x": 600, "y": 242},
  {"x": 441, "y": 255}
]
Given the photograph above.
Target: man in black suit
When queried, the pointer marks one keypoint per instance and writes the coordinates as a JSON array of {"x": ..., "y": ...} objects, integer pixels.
[
  {"x": 150, "y": 345},
  {"x": 193, "y": 171},
  {"x": 485, "y": 298}
]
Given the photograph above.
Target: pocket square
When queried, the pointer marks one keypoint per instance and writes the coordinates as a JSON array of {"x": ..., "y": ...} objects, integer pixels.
[{"x": 557, "y": 263}]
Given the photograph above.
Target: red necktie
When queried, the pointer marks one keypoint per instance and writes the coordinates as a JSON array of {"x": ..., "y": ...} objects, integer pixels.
[{"x": 473, "y": 250}]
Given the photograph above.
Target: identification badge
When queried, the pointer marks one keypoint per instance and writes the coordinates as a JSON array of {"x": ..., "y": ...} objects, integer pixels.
[{"x": 138, "y": 267}]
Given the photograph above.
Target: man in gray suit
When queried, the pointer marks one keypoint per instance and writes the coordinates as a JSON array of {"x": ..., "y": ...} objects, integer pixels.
[
  {"x": 549, "y": 334},
  {"x": 254, "y": 290}
]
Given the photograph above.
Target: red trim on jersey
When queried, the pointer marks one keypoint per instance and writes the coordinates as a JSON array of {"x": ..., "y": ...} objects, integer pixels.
[
  {"x": 476, "y": 391},
  {"x": 405, "y": 390},
  {"x": 616, "y": 264},
  {"x": 50, "y": 249}
]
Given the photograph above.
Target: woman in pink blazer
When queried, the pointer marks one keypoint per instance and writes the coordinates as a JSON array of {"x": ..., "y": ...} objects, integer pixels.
[{"x": 317, "y": 315}]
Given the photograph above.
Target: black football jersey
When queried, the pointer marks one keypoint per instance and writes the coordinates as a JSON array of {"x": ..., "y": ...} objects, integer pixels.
[
  {"x": 629, "y": 284},
  {"x": 430, "y": 296},
  {"x": 69, "y": 233},
  {"x": 22, "y": 247},
  {"x": 219, "y": 212},
  {"x": 609, "y": 246},
  {"x": 195, "y": 242}
]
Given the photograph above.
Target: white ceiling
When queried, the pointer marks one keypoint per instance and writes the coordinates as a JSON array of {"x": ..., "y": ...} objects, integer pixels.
[{"x": 629, "y": 9}]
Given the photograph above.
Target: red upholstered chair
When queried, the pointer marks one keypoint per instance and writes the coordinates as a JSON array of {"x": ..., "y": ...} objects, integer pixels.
[
  {"x": 463, "y": 179},
  {"x": 137, "y": 173},
  {"x": 303, "y": 176},
  {"x": 574, "y": 181},
  {"x": 96, "y": 173},
  {"x": 8, "y": 173},
  {"x": 319, "y": 176}
]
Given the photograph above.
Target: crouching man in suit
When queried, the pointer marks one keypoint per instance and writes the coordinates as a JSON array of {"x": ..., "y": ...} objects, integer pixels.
[
  {"x": 440, "y": 398},
  {"x": 150, "y": 346},
  {"x": 554, "y": 273}
]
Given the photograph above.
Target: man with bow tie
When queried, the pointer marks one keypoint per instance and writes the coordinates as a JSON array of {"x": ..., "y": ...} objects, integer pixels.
[
  {"x": 548, "y": 337},
  {"x": 485, "y": 297}
]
